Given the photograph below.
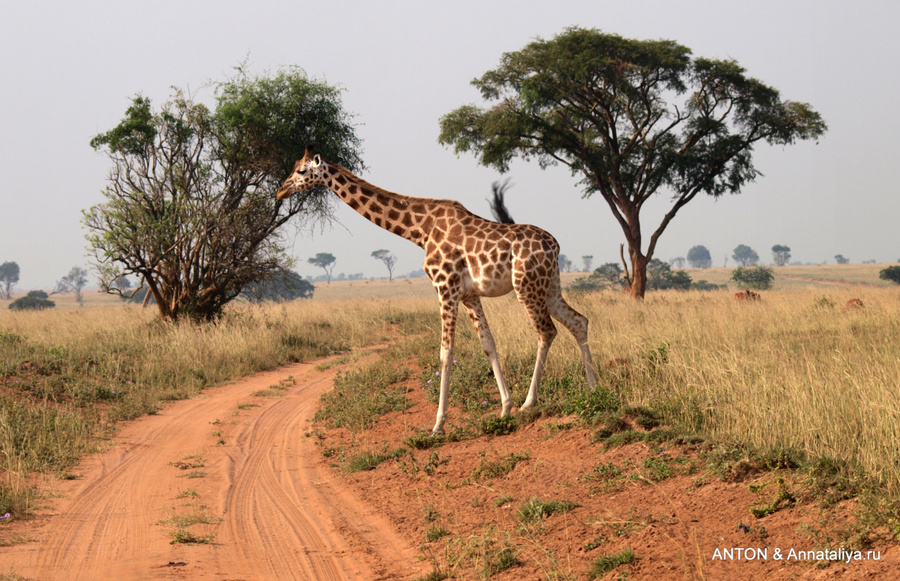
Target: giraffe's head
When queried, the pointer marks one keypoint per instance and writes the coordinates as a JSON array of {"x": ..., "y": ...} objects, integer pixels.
[{"x": 309, "y": 171}]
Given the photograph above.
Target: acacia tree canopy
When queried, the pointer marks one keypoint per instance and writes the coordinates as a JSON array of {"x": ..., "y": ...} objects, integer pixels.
[
  {"x": 631, "y": 118},
  {"x": 190, "y": 205}
]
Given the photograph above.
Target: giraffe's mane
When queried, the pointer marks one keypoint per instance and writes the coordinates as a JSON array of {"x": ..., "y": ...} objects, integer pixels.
[{"x": 393, "y": 195}]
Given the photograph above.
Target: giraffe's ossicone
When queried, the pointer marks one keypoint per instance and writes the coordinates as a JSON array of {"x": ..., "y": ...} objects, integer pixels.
[{"x": 466, "y": 258}]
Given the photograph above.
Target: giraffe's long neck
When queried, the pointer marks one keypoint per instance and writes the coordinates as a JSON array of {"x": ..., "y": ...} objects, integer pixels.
[{"x": 406, "y": 217}]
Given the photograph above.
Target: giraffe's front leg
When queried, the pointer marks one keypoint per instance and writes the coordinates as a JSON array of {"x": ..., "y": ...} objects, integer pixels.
[
  {"x": 449, "y": 310},
  {"x": 476, "y": 312}
]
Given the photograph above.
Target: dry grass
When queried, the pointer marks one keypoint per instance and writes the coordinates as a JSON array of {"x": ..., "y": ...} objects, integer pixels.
[{"x": 793, "y": 371}]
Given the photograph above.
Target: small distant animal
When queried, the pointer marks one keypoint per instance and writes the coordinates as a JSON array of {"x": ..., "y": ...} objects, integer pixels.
[
  {"x": 854, "y": 304},
  {"x": 618, "y": 362},
  {"x": 747, "y": 295}
]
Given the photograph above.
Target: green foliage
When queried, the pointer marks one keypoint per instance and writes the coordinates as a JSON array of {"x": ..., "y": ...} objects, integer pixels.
[
  {"x": 535, "y": 510},
  {"x": 699, "y": 257},
  {"x": 891, "y": 273},
  {"x": 34, "y": 300},
  {"x": 754, "y": 277},
  {"x": 359, "y": 397},
  {"x": 781, "y": 254},
  {"x": 608, "y": 275},
  {"x": 585, "y": 99},
  {"x": 499, "y": 426},
  {"x": 369, "y": 460},
  {"x": 783, "y": 498},
  {"x": 190, "y": 207},
  {"x": 283, "y": 285},
  {"x": 501, "y": 466},
  {"x": 605, "y": 564},
  {"x": 592, "y": 404}
]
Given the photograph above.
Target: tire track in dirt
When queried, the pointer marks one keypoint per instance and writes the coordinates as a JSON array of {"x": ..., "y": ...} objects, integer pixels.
[{"x": 284, "y": 514}]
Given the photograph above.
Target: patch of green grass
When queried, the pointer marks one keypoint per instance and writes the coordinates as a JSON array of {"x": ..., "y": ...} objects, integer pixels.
[
  {"x": 592, "y": 404},
  {"x": 370, "y": 460},
  {"x": 606, "y": 563},
  {"x": 361, "y": 396},
  {"x": 189, "y": 462},
  {"x": 194, "y": 474},
  {"x": 535, "y": 510},
  {"x": 783, "y": 498},
  {"x": 268, "y": 393},
  {"x": 501, "y": 466},
  {"x": 499, "y": 426},
  {"x": 435, "y": 532},
  {"x": 186, "y": 537}
]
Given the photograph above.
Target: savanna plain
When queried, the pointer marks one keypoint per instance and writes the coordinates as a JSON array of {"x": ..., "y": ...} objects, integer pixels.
[{"x": 727, "y": 439}]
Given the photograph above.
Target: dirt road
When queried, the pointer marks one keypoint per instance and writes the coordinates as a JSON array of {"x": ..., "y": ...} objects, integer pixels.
[{"x": 284, "y": 515}]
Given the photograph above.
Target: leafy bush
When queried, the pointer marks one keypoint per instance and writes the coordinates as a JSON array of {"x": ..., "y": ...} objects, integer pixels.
[
  {"x": 35, "y": 300},
  {"x": 891, "y": 273},
  {"x": 756, "y": 277}
]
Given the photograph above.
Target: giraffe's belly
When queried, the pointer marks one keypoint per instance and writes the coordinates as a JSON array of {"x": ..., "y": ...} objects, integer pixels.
[{"x": 486, "y": 287}]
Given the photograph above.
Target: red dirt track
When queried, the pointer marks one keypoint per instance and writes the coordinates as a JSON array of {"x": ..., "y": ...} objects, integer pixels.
[{"x": 285, "y": 515}]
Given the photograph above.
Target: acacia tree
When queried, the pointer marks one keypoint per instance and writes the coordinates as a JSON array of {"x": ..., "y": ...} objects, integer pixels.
[
  {"x": 325, "y": 261},
  {"x": 630, "y": 118},
  {"x": 781, "y": 254},
  {"x": 191, "y": 209},
  {"x": 388, "y": 259}
]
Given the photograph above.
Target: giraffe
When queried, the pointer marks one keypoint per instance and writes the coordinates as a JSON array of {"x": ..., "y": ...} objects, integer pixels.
[{"x": 466, "y": 257}]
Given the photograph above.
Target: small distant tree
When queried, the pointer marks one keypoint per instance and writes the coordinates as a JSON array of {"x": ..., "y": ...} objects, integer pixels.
[
  {"x": 285, "y": 285},
  {"x": 123, "y": 283},
  {"x": 839, "y": 258},
  {"x": 565, "y": 265},
  {"x": 755, "y": 277},
  {"x": 891, "y": 273},
  {"x": 389, "y": 261},
  {"x": 744, "y": 255},
  {"x": 781, "y": 254},
  {"x": 588, "y": 260},
  {"x": 324, "y": 261},
  {"x": 9, "y": 275},
  {"x": 677, "y": 262},
  {"x": 72, "y": 282},
  {"x": 34, "y": 300},
  {"x": 699, "y": 257}
]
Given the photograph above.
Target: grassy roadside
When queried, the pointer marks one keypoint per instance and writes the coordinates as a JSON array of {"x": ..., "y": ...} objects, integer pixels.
[
  {"x": 795, "y": 393},
  {"x": 68, "y": 378}
]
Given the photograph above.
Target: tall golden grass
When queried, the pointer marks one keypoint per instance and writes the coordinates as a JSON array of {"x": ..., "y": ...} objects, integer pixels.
[{"x": 794, "y": 370}]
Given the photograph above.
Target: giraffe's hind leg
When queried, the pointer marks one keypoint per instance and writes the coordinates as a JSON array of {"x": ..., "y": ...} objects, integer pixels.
[
  {"x": 476, "y": 312},
  {"x": 577, "y": 324},
  {"x": 539, "y": 313}
]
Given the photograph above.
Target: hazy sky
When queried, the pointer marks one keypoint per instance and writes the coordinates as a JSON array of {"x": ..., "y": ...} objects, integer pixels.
[{"x": 69, "y": 70}]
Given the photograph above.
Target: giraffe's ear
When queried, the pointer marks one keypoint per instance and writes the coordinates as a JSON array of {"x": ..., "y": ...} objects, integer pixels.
[{"x": 317, "y": 160}]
